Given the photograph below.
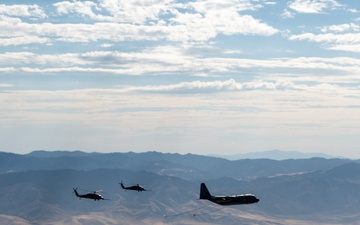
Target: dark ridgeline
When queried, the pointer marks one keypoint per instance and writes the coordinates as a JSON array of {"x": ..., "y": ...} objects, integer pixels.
[{"x": 187, "y": 166}]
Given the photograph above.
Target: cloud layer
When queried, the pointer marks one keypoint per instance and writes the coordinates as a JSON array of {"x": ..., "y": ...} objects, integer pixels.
[{"x": 183, "y": 76}]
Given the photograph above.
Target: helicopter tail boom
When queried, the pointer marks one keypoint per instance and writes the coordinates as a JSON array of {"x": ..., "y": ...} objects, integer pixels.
[
  {"x": 76, "y": 193},
  {"x": 122, "y": 185}
]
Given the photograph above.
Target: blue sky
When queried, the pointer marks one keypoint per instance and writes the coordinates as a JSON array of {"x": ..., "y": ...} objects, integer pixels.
[{"x": 201, "y": 76}]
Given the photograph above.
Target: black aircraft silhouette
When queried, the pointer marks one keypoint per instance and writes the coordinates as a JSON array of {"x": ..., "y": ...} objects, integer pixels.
[
  {"x": 93, "y": 195},
  {"x": 227, "y": 200},
  {"x": 133, "y": 188}
]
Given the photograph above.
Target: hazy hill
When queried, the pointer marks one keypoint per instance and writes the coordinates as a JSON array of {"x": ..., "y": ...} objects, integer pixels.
[
  {"x": 306, "y": 191},
  {"x": 43, "y": 196},
  {"x": 49, "y": 154},
  {"x": 189, "y": 166},
  {"x": 276, "y": 155}
]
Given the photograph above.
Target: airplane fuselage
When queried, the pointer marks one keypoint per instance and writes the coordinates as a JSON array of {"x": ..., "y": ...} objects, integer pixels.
[
  {"x": 234, "y": 200},
  {"x": 227, "y": 200}
]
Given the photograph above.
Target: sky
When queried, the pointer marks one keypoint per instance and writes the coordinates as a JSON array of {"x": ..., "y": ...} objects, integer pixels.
[{"x": 178, "y": 76}]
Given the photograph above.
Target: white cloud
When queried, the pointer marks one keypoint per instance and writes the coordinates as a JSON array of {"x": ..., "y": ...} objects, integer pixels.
[
  {"x": 137, "y": 12},
  {"x": 204, "y": 6},
  {"x": 341, "y": 28},
  {"x": 270, "y": 3},
  {"x": 214, "y": 16},
  {"x": 22, "y": 11},
  {"x": 188, "y": 27},
  {"x": 84, "y": 9},
  {"x": 167, "y": 60},
  {"x": 313, "y": 6},
  {"x": 231, "y": 85},
  {"x": 5, "y": 85},
  {"x": 29, "y": 58},
  {"x": 353, "y": 10},
  {"x": 287, "y": 14},
  {"x": 106, "y": 45},
  {"x": 15, "y": 27},
  {"x": 23, "y": 40},
  {"x": 331, "y": 41},
  {"x": 345, "y": 47},
  {"x": 7, "y": 69},
  {"x": 217, "y": 86}
]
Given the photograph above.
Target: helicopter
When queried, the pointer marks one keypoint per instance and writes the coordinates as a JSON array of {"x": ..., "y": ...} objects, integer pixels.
[
  {"x": 227, "y": 200},
  {"x": 133, "y": 188},
  {"x": 92, "y": 195}
]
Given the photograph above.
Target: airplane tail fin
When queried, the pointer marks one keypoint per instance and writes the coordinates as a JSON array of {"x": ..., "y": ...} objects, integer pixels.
[{"x": 204, "y": 192}]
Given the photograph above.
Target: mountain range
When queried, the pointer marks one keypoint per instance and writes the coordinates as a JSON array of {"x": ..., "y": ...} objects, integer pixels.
[
  {"x": 36, "y": 188},
  {"x": 276, "y": 155}
]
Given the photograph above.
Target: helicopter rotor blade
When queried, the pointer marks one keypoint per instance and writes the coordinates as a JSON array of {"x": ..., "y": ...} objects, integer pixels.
[{"x": 92, "y": 191}]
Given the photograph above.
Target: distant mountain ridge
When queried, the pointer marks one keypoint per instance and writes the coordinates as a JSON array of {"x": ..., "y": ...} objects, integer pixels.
[
  {"x": 275, "y": 155},
  {"x": 188, "y": 166},
  {"x": 36, "y": 188},
  {"x": 58, "y": 153}
]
